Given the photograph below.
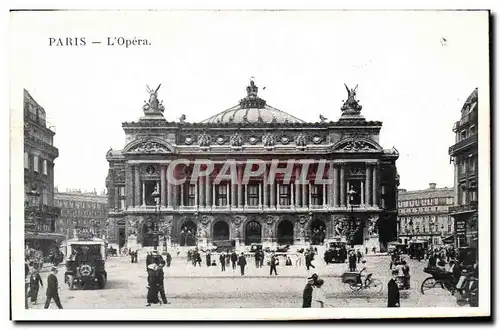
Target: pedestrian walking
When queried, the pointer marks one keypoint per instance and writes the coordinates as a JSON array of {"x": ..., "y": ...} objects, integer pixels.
[
  {"x": 366, "y": 250},
  {"x": 309, "y": 258},
  {"x": 393, "y": 291},
  {"x": 153, "y": 285},
  {"x": 272, "y": 264},
  {"x": 53, "y": 289},
  {"x": 242, "y": 262},
  {"x": 358, "y": 255},
  {"x": 352, "y": 262},
  {"x": 222, "y": 260},
  {"x": 234, "y": 259},
  {"x": 35, "y": 283},
  {"x": 208, "y": 259},
  {"x": 168, "y": 257},
  {"x": 257, "y": 257},
  {"x": 308, "y": 291}
]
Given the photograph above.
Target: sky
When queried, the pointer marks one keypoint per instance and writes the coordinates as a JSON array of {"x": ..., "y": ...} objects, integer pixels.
[{"x": 414, "y": 69}]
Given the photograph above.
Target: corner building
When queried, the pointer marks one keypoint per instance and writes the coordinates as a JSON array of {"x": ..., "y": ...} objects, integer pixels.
[{"x": 359, "y": 204}]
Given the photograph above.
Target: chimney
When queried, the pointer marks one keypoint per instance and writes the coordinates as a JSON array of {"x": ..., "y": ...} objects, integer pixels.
[{"x": 432, "y": 186}]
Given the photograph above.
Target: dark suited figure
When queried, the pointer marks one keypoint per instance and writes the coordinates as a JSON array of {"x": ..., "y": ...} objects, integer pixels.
[
  {"x": 35, "y": 283},
  {"x": 272, "y": 264},
  {"x": 406, "y": 274},
  {"x": 169, "y": 259},
  {"x": 352, "y": 262},
  {"x": 432, "y": 261},
  {"x": 209, "y": 259},
  {"x": 53, "y": 289},
  {"x": 234, "y": 259},
  {"x": 261, "y": 258},
  {"x": 308, "y": 291},
  {"x": 158, "y": 259},
  {"x": 153, "y": 284},
  {"x": 309, "y": 258},
  {"x": 242, "y": 262},
  {"x": 393, "y": 291},
  {"x": 222, "y": 260}
]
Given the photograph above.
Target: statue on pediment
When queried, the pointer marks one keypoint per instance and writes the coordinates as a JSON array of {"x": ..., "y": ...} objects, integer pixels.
[
  {"x": 153, "y": 104},
  {"x": 351, "y": 105},
  {"x": 236, "y": 140},
  {"x": 204, "y": 140},
  {"x": 301, "y": 140},
  {"x": 269, "y": 140}
]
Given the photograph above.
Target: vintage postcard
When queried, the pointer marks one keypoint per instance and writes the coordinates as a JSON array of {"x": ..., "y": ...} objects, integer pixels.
[{"x": 249, "y": 165}]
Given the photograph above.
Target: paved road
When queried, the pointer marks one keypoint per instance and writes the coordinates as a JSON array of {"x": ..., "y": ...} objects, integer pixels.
[{"x": 195, "y": 287}]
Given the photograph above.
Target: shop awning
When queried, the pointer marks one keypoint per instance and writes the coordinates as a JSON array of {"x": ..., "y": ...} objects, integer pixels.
[{"x": 48, "y": 236}]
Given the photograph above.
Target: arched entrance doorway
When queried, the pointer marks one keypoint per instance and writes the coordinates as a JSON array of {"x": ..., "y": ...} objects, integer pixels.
[
  {"x": 285, "y": 232},
  {"x": 150, "y": 233},
  {"x": 221, "y": 231},
  {"x": 317, "y": 232},
  {"x": 253, "y": 233},
  {"x": 187, "y": 236}
]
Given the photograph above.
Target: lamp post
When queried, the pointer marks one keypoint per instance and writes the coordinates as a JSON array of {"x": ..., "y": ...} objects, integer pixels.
[
  {"x": 351, "y": 194},
  {"x": 156, "y": 197}
]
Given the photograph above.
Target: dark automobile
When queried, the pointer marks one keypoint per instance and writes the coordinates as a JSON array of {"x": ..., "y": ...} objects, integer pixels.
[{"x": 85, "y": 264}]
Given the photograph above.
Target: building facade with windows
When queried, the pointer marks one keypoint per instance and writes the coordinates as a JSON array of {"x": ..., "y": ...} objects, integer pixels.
[
  {"x": 464, "y": 154},
  {"x": 358, "y": 202},
  {"x": 81, "y": 210},
  {"x": 39, "y": 155},
  {"x": 424, "y": 214}
]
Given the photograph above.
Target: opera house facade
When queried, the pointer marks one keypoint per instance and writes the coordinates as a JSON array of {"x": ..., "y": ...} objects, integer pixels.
[{"x": 289, "y": 181}]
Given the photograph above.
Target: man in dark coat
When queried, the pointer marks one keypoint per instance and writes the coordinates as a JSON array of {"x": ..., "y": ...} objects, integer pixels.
[
  {"x": 35, "y": 283},
  {"x": 158, "y": 260},
  {"x": 352, "y": 262},
  {"x": 393, "y": 291},
  {"x": 53, "y": 289},
  {"x": 242, "y": 262},
  {"x": 153, "y": 285},
  {"x": 149, "y": 260},
  {"x": 272, "y": 264},
  {"x": 308, "y": 291},
  {"x": 234, "y": 259},
  {"x": 209, "y": 259},
  {"x": 222, "y": 260},
  {"x": 432, "y": 261},
  {"x": 169, "y": 259}
]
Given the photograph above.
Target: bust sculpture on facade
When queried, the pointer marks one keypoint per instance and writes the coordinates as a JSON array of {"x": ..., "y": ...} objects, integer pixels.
[
  {"x": 236, "y": 140},
  {"x": 269, "y": 140}
]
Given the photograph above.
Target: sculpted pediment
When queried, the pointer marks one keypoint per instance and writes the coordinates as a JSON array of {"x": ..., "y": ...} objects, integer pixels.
[
  {"x": 151, "y": 146},
  {"x": 357, "y": 145}
]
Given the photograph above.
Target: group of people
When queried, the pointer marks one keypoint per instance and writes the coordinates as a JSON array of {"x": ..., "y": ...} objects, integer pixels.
[
  {"x": 34, "y": 282},
  {"x": 156, "y": 279},
  {"x": 354, "y": 258}
]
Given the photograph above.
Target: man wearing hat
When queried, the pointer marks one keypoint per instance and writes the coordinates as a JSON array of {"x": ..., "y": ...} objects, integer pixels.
[
  {"x": 308, "y": 291},
  {"x": 160, "y": 262},
  {"x": 393, "y": 290},
  {"x": 242, "y": 261},
  {"x": 52, "y": 289}
]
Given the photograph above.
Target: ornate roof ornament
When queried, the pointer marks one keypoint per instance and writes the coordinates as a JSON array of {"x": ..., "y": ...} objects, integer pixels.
[
  {"x": 351, "y": 107},
  {"x": 301, "y": 141},
  {"x": 204, "y": 140},
  {"x": 357, "y": 145},
  {"x": 252, "y": 100},
  {"x": 236, "y": 140},
  {"x": 153, "y": 106},
  {"x": 269, "y": 140},
  {"x": 150, "y": 147}
]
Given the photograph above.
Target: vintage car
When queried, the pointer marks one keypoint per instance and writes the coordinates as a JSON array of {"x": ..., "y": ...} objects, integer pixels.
[
  {"x": 85, "y": 263},
  {"x": 335, "y": 251},
  {"x": 417, "y": 248}
]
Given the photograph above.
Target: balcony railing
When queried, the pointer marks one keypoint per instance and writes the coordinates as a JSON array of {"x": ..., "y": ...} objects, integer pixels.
[
  {"x": 50, "y": 148},
  {"x": 471, "y": 207},
  {"x": 468, "y": 118},
  {"x": 467, "y": 142}
]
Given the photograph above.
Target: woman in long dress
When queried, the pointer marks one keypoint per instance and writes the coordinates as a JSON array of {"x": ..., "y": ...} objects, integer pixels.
[
  {"x": 153, "y": 285},
  {"x": 319, "y": 296}
]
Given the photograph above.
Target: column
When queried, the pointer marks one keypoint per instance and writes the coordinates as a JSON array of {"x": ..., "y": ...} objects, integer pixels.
[
  {"x": 310, "y": 196},
  {"x": 277, "y": 195},
  {"x": 143, "y": 193},
  {"x": 272, "y": 202},
  {"x": 228, "y": 195},
  {"x": 174, "y": 192},
  {"x": 201, "y": 190},
  {"x": 169, "y": 195},
  {"x": 367, "y": 185},
  {"x": 375, "y": 186},
  {"x": 196, "y": 194},
  {"x": 240, "y": 188},
  {"x": 208, "y": 191},
  {"x": 246, "y": 195},
  {"x": 304, "y": 195},
  {"x": 260, "y": 195},
  {"x": 342, "y": 186},
  {"x": 234, "y": 198},
  {"x": 324, "y": 195},
  {"x": 266, "y": 187},
  {"x": 298, "y": 197},
  {"x": 213, "y": 196},
  {"x": 292, "y": 197},
  {"x": 182, "y": 195},
  {"x": 335, "y": 187},
  {"x": 137, "y": 194},
  {"x": 362, "y": 193},
  {"x": 162, "y": 186}
]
